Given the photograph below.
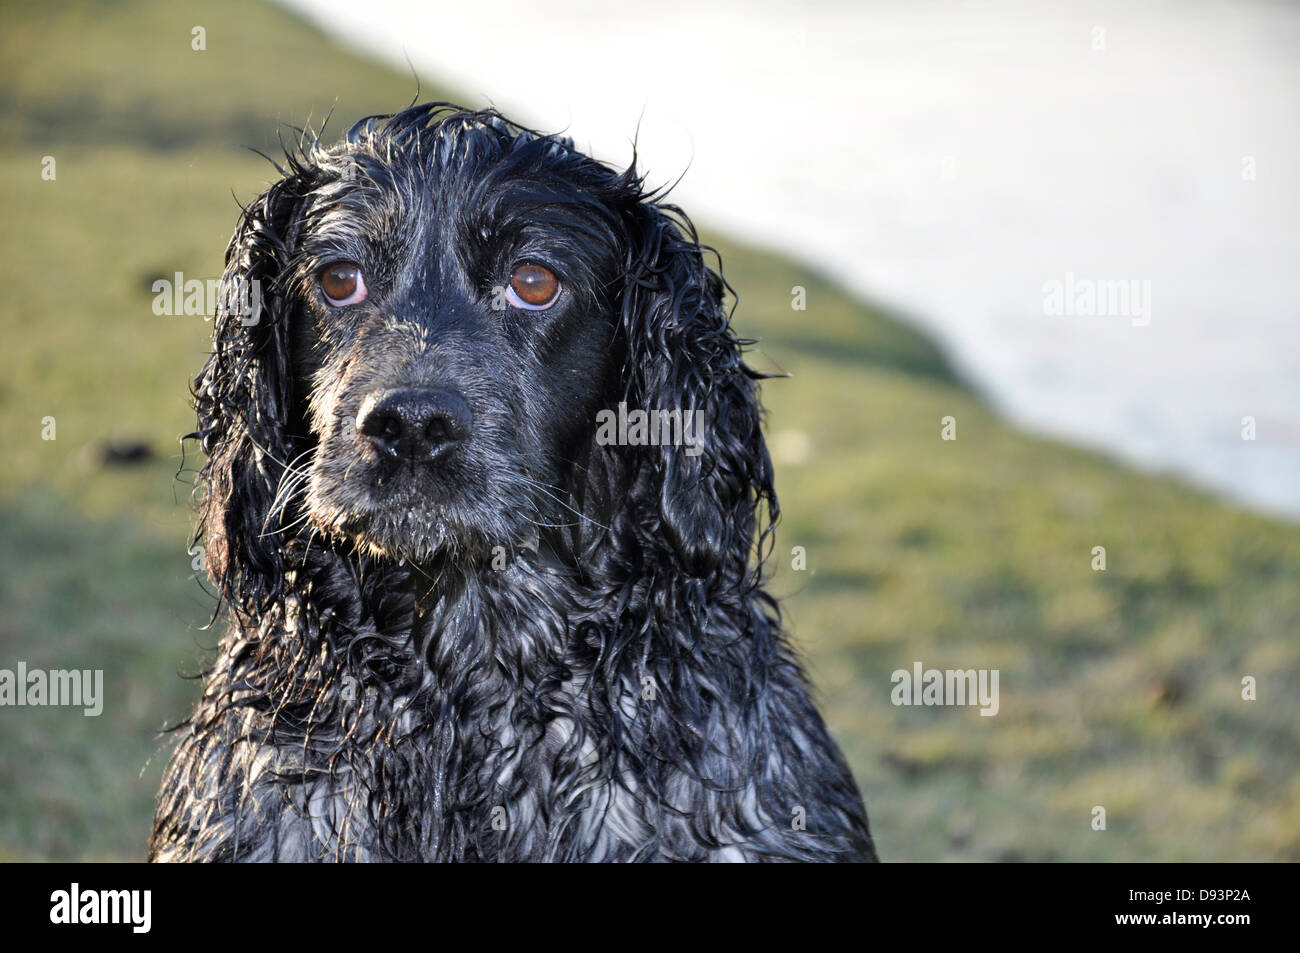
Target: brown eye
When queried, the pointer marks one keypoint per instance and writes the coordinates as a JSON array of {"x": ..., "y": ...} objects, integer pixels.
[
  {"x": 533, "y": 287},
  {"x": 343, "y": 283}
]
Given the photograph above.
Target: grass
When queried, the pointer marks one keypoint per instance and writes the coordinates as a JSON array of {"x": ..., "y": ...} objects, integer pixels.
[{"x": 1118, "y": 688}]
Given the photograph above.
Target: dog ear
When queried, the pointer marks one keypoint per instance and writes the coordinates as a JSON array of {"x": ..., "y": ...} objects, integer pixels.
[
  {"x": 243, "y": 396},
  {"x": 683, "y": 356}
]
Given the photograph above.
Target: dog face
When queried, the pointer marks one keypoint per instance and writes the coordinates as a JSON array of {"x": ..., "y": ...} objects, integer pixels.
[
  {"x": 448, "y": 303},
  {"x": 454, "y": 315}
]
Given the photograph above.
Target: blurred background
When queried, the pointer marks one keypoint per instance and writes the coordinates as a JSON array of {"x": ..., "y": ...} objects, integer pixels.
[{"x": 931, "y": 175}]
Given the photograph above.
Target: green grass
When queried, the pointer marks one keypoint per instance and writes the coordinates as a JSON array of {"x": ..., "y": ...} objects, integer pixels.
[{"x": 1118, "y": 688}]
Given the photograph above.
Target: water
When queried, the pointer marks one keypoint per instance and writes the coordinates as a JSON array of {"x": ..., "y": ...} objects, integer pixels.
[{"x": 952, "y": 159}]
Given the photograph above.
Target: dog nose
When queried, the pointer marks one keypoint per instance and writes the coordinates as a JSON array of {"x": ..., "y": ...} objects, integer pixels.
[{"x": 417, "y": 423}]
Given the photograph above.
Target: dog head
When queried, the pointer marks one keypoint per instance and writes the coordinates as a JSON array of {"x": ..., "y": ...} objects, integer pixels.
[{"x": 449, "y": 306}]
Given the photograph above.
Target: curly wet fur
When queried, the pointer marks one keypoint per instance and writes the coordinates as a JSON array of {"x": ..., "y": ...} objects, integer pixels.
[{"x": 543, "y": 648}]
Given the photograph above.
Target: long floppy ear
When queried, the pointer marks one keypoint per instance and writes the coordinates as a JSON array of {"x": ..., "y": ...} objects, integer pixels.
[
  {"x": 243, "y": 398},
  {"x": 684, "y": 357}
]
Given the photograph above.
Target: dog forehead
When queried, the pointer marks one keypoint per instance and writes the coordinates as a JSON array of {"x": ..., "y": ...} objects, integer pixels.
[
  {"x": 476, "y": 157},
  {"x": 464, "y": 158}
]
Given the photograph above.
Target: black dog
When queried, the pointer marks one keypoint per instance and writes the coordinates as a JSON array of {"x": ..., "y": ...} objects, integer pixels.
[{"x": 465, "y": 626}]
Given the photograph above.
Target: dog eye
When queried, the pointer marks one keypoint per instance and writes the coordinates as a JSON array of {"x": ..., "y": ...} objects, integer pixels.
[
  {"x": 343, "y": 284},
  {"x": 533, "y": 287}
]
